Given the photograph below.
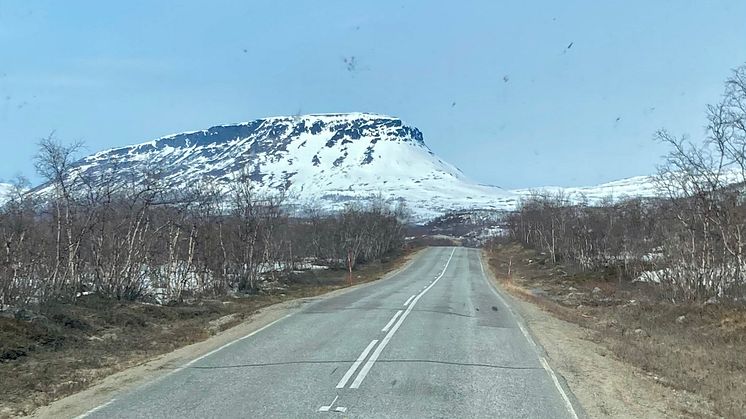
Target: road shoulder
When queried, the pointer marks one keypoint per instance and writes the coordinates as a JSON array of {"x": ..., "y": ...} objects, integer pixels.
[{"x": 604, "y": 385}]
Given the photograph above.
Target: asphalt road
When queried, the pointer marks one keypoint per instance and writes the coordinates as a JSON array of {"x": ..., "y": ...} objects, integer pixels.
[{"x": 435, "y": 340}]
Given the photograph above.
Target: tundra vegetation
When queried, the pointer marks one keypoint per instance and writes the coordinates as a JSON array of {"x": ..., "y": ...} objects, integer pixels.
[
  {"x": 660, "y": 283},
  {"x": 691, "y": 240}
]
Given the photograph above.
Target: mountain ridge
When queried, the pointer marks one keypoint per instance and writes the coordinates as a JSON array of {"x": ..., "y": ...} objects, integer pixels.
[{"x": 328, "y": 159}]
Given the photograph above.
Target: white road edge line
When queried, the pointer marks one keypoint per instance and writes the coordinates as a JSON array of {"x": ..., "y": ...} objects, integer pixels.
[
  {"x": 372, "y": 360},
  {"x": 356, "y": 364},
  {"x": 409, "y": 300},
  {"x": 568, "y": 403},
  {"x": 95, "y": 409},
  {"x": 544, "y": 363},
  {"x": 193, "y": 361},
  {"x": 266, "y": 326},
  {"x": 393, "y": 319}
]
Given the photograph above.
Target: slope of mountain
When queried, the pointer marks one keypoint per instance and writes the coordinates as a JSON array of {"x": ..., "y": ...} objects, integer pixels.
[
  {"x": 325, "y": 159},
  {"x": 633, "y": 187}
]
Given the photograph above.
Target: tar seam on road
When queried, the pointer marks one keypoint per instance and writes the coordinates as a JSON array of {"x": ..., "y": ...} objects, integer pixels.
[
  {"x": 448, "y": 313},
  {"x": 544, "y": 363},
  {"x": 383, "y": 361}
]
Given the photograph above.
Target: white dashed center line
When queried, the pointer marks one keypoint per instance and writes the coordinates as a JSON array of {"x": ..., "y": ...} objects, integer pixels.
[
  {"x": 391, "y": 322},
  {"x": 368, "y": 365}
]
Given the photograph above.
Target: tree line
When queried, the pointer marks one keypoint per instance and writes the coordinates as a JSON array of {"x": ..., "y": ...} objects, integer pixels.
[
  {"x": 141, "y": 240},
  {"x": 691, "y": 237}
]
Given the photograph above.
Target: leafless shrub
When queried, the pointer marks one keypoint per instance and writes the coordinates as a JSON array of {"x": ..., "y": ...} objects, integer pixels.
[
  {"x": 140, "y": 240},
  {"x": 693, "y": 236}
]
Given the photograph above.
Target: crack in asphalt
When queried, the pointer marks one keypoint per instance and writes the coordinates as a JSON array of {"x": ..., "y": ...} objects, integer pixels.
[
  {"x": 387, "y": 361},
  {"x": 388, "y": 309}
]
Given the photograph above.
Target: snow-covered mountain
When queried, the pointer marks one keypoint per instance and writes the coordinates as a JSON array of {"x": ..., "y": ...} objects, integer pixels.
[
  {"x": 633, "y": 187},
  {"x": 5, "y": 189},
  {"x": 326, "y": 159}
]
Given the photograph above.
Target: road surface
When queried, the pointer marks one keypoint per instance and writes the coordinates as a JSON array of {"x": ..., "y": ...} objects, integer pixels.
[{"x": 435, "y": 340}]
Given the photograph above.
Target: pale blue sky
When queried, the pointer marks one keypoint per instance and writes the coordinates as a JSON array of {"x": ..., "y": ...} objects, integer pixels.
[{"x": 115, "y": 73}]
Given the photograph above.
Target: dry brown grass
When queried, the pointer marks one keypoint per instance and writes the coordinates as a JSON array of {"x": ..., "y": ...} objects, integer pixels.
[
  {"x": 698, "y": 348},
  {"x": 67, "y": 348}
]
